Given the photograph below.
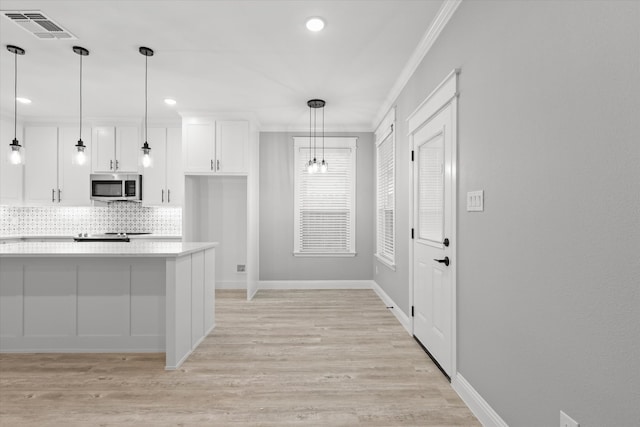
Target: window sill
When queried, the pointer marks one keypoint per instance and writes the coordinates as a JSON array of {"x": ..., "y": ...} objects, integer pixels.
[
  {"x": 385, "y": 262},
  {"x": 325, "y": 254}
]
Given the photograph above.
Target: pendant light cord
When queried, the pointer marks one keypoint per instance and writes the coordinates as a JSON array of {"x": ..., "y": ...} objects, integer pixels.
[
  {"x": 309, "y": 133},
  {"x": 146, "y": 61},
  {"x": 80, "y": 99},
  {"x": 323, "y": 133},
  {"x": 315, "y": 125},
  {"x": 15, "y": 97}
]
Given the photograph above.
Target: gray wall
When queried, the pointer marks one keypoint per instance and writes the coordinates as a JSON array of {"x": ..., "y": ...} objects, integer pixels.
[
  {"x": 549, "y": 273},
  {"x": 276, "y": 215}
]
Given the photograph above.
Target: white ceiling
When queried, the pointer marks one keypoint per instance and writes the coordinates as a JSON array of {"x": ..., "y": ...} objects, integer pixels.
[{"x": 215, "y": 56}]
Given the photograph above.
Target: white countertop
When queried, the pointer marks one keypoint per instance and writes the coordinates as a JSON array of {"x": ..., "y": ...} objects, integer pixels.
[
  {"x": 103, "y": 249},
  {"x": 69, "y": 236}
]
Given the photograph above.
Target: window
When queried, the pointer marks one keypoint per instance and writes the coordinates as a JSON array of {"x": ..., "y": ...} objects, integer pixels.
[
  {"x": 386, "y": 200},
  {"x": 324, "y": 203}
]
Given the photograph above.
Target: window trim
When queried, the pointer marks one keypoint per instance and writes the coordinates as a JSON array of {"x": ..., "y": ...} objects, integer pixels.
[
  {"x": 329, "y": 142},
  {"x": 386, "y": 130}
]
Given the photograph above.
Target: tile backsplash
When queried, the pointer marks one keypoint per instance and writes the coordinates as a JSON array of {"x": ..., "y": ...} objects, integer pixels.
[{"x": 115, "y": 217}]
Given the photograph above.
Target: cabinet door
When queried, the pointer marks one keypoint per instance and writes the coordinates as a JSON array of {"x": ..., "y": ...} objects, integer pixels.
[
  {"x": 154, "y": 190},
  {"x": 41, "y": 165},
  {"x": 128, "y": 150},
  {"x": 104, "y": 143},
  {"x": 232, "y": 141},
  {"x": 73, "y": 178},
  {"x": 199, "y": 144},
  {"x": 175, "y": 176}
]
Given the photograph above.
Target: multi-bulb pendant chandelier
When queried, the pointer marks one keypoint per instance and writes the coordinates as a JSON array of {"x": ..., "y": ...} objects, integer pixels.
[
  {"x": 81, "y": 156},
  {"x": 313, "y": 166},
  {"x": 15, "y": 157},
  {"x": 146, "y": 150}
]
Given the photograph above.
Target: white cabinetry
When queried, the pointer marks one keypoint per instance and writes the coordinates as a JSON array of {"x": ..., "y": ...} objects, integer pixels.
[
  {"x": 216, "y": 147},
  {"x": 52, "y": 175},
  {"x": 116, "y": 148},
  {"x": 162, "y": 182}
]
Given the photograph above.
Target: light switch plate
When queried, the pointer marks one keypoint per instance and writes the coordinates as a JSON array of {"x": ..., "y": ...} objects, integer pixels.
[
  {"x": 475, "y": 201},
  {"x": 567, "y": 421}
]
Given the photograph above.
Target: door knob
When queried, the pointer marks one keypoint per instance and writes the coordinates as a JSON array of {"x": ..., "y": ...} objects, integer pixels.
[{"x": 444, "y": 261}]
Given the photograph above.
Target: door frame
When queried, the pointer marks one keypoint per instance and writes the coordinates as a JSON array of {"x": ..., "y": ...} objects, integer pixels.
[{"x": 444, "y": 95}]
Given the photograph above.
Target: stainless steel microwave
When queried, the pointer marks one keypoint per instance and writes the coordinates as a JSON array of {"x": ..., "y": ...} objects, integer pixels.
[{"x": 108, "y": 187}]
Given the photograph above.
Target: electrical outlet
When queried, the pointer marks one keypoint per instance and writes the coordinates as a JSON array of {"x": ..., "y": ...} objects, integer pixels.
[
  {"x": 567, "y": 421},
  {"x": 240, "y": 268}
]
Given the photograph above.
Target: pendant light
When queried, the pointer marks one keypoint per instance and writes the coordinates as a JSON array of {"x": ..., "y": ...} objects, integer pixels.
[
  {"x": 313, "y": 166},
  {"x": 146, "y": 150},
  {"x": 81, "y": 156},
  {"x": 15, "y": 157}
]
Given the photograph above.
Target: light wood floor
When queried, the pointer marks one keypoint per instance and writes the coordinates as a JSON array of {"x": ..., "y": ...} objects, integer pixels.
[{"x": 313, "y": 358}]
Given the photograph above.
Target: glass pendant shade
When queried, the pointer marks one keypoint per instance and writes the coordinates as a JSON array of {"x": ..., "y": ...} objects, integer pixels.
[
  {"x": 324, "y": 167},
  {"x": 80, "y": 156},
  {"x": 146, "y": 155},
  {"x": 15, "y": 157}
]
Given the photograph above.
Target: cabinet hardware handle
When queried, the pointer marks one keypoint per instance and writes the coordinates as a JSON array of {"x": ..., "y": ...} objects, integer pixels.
[
  {"x": 117, "y": 164},
  {"x": 110, "y": 164},
  {"x": 444, "y": 261},
  {"x": 218, "y": 165},
  {"x": 59, "y": 195},
  {"x": 163, "y": 196},
  {"x": 168, "y": 196},
  {"x": 53, "y": 195},
  {"x": 211, "y": 164}
]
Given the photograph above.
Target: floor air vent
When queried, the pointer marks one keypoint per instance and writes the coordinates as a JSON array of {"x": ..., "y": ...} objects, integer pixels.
[{"x": 38, "y": 24}]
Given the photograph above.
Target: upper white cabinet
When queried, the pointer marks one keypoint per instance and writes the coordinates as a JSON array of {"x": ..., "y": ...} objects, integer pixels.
[
  {"x": 116, "y": 149},
  {"x": 162, "y": 182},
  {"x": 52, "y": 175},
  {"x": 232, "y": 141},
  {"x": 216, "y": 147}
]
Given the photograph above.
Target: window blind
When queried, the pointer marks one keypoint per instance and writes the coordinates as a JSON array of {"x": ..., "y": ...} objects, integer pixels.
[
  {"x": 386, "y": 199},
  {"x": 325, "y": 202}
]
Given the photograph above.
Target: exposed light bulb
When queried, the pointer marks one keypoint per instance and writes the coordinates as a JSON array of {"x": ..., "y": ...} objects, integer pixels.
[
  {"x": 310, "y": 167},
  {"x": 315, "y": 166},
  {"x": 15, "y": 157},
  {"x": 146, "y": 160},
  {"x": 324, "y": 167}
]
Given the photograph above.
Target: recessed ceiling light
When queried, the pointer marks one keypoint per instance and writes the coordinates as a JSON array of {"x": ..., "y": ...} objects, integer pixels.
[
  {"x": 23, "y": 100},
  {"x": 315, "y": 24},
  {"x": 170, "y": 101}
]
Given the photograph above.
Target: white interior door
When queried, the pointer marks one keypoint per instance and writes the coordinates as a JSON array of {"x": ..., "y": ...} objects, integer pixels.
[{"x": 434, "y": 257}]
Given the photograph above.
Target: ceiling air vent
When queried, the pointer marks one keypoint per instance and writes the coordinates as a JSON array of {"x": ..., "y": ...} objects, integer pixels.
[{"x": 38, "y": 24}]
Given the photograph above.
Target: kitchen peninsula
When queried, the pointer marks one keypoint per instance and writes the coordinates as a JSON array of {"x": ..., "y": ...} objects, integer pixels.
[{"x": 107, "y": 297}]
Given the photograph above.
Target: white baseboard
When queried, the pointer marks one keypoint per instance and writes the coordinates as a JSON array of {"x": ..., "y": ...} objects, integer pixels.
[
  {"x": 402, "y": 318},
  {"x": 480, "y": 408},
  {"x": 222, "y": 284},
  {"x": 315, "y": 284}
]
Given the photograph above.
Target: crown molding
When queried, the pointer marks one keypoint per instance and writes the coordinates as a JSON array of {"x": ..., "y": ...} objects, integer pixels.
[{"x": 428, "y": 39}]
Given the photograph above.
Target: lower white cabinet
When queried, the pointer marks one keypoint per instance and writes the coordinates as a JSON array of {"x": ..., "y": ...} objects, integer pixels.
[
  {"x": 163, "y": 182},
  {"x": 52, "y": 174}
]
